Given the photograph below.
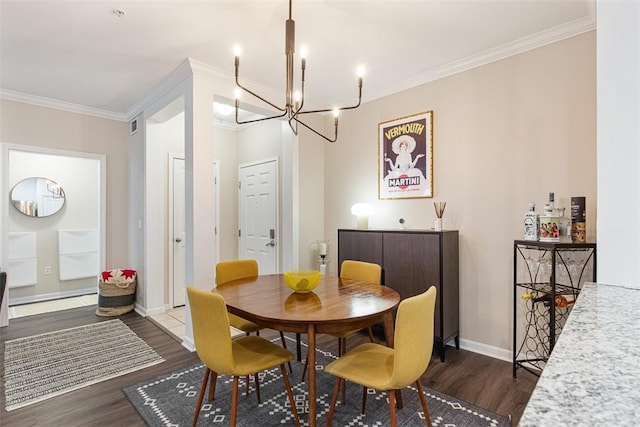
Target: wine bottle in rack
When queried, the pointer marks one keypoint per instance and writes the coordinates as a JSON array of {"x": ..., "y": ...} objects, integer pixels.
[{"x": 563, "y": 301}]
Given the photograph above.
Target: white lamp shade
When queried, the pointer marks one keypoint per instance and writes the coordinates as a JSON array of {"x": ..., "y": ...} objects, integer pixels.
[
  {"x": 362, "y": 212},
  {"x": 362, "y": 209}
]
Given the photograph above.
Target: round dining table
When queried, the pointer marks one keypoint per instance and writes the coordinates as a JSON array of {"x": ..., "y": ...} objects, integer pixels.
[{"x": 335, "y": 305}]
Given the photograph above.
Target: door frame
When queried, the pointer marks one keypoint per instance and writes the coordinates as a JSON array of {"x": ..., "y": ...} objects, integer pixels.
[
  {"x": 216, "y": 177},
  {"x": 278, "y": 238},
  {"x": 5, "y": 154}
]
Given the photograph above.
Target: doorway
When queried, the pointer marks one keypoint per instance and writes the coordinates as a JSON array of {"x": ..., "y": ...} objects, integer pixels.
[
  {"x": 177, "y": 234},
  {"x": 44, "y": 276},
  {"x": 177, "y": 225},
  {"x": 258, "y": 217}
]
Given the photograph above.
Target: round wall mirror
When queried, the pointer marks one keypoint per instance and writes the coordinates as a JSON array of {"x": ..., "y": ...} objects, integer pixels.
[{"x": 38, "y": 197}]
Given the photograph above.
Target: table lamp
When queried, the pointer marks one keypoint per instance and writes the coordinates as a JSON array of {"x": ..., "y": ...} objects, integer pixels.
[{"x": 362, "y": 212}]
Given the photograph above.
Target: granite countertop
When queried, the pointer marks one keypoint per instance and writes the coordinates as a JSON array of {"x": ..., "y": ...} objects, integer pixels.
[{"x": 592, "y": 377}]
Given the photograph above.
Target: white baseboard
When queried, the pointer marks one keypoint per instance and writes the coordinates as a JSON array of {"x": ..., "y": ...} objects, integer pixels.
[
  {"x": 487, "y": 350},
  {"x": 187, "y": 343},
  {"x": 144, "y": 312},
  {"x": 52, "y": 296}
]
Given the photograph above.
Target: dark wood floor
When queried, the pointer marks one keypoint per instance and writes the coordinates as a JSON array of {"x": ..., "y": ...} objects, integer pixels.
[{"x": 477, "y": 379}]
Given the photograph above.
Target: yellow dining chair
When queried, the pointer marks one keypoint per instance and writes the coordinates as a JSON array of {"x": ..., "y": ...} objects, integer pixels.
[
  {"x": 228, "y": 271},
  {"x": 366, "y": 272},
  {"x": 244, "y": 356},
  {"x": 383, "y": 368},
  {"x": 355, "y": 270}
]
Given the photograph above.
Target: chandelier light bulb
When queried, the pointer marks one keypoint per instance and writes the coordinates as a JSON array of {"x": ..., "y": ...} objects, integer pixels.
[
  {"x": 336, "y": 112},
  {"x": 237, "y": 93},
  {"x": 304, "y": 51},
  {"x": 360, "y": 70},
  {"x": 237, "y": 50}
]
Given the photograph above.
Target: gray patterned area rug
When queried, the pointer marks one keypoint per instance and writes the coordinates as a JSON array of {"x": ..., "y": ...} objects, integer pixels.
[
  {"x": 169, "y": 400},
  {"x": 43, "y": 366}
]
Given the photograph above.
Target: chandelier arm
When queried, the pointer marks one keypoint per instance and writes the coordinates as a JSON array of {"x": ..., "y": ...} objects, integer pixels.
[
  {"x": 335, "y": 137},
  {"x": 277, "y": 116},
  {"x": 297, "y": 110},
  {"x": 294, "y": 129},
  {"x": 259, "y": 97},
  {"x": 326, "y": 110}
]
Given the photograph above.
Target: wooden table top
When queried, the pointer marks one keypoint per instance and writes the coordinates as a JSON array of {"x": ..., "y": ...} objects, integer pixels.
[{"x": 334, "y": 305}]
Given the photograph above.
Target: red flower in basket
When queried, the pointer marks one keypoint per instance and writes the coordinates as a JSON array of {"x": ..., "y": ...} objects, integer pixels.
[{"x": 128, "y": 274}]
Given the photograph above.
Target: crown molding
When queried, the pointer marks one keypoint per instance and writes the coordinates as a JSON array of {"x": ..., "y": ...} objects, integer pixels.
[
  {"x": 190, "y": 66},
  {"x": 543, "y": 38},
  {"x": 175, "y": 77},
  {"x": 60, "y": 105}
]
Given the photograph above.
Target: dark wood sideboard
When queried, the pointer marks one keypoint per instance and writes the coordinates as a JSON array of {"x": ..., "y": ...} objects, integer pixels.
[{"x": 412, "y": 261}]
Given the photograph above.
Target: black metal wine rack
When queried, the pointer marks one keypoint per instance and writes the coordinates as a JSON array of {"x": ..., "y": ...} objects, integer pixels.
[{"x": 547, "y": 278}]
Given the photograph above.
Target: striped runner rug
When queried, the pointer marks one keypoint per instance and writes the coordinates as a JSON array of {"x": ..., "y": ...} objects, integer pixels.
[{"x": 39, "y": 367}]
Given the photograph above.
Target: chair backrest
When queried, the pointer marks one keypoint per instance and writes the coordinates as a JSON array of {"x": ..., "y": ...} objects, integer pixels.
[
  {"x": 413, "y": 338},
  {"x": 211, "y": 332},
  {"x": 228, "y": 271},
  {"x": 360, "y": 270}
]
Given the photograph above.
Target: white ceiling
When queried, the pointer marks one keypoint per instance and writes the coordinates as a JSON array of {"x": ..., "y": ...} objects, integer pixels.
[{"x": 80, "y": 54}]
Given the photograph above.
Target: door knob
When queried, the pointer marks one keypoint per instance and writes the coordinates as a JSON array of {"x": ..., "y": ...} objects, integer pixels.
[
  {"x": 271, "y": 243},
  {"x": 178, "y": 239}
]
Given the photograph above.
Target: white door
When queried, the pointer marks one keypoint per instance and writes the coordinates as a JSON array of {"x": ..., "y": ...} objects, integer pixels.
[
  {"x": 257, "y": 214},
  {"x": 178, "y": 238}
]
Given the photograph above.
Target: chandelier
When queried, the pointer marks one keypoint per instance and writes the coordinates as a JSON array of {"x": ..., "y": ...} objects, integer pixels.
[{"x": 294, "y": 101}]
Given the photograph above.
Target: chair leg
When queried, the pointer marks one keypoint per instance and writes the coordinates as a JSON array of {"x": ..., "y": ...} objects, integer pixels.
[
  {"x": 212, "y": 385},
  {"x": 344, "y": 392},
  {"x": 246, "y": 385},
  {"x": 342, "y": 349},
  {"x": 399, "y": 403},
  {"x": 423, "y": 401},
  {"x": 298, "y": 347},
  {"x": 292, "y": 402},
  {"x": 257, "y": 387},
  {"x": 364, "y": 398},
  {"x": 234, "y": 401},
  {"x": 392, "y": 407},
  {"x": 334, "y": 399},
  {"x": 284, "y": 345},
  {"x": 370, "y": 334},
  {"x": 203, "y": 388}
]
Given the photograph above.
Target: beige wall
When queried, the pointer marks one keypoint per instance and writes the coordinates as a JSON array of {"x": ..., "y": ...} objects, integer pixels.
[
  {"x": 505, "y": 134},
  {"x": 311, "y": 194},
  {"x": 31, "y": 125}
]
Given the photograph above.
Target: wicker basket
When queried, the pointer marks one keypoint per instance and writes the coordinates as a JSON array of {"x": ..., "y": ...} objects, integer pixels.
[{"x": 117, "y": 292}]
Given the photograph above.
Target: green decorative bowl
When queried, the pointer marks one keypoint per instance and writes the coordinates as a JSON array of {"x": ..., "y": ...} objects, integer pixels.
[{"x": 302, "y": 281}]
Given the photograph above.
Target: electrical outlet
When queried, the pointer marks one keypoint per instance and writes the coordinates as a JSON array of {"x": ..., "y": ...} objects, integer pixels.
[{"x": 47, "y": 269}]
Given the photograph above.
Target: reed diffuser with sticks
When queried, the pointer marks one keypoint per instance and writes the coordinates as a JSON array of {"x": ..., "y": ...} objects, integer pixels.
[{"x": 439, "y": 207}]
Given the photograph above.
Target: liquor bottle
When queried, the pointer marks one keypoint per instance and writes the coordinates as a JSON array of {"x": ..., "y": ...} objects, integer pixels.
[
  {"x": 578, "y": 220},
  {"x": 549, "y": 222},
  {"x": 562, "y": 229},
  {"x": 531, "y": 223}
]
